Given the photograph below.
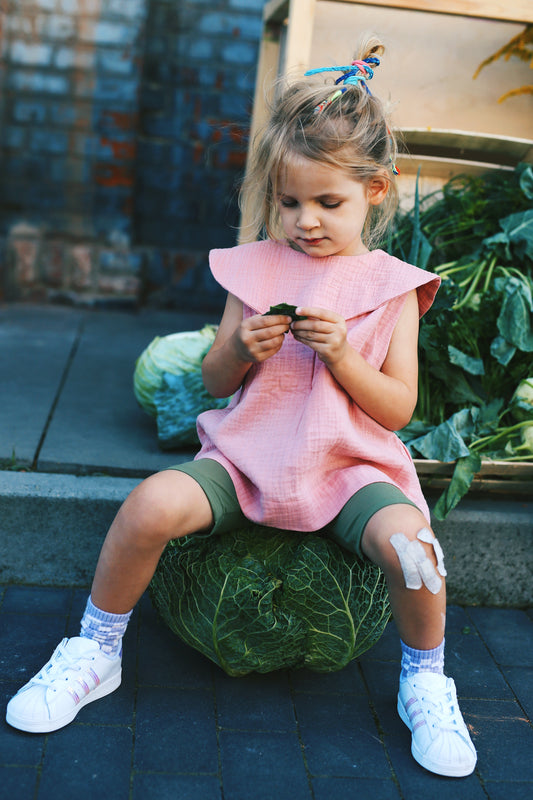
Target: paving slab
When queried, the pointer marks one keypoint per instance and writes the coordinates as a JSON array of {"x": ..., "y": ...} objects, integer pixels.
[
  {"x": 171, "y": 787},
  {"x": 90, "y": 776},
  {"x": 36, "y": 344},
  {"x": 178, "y": 727},
  {"x": 97, "y": 425},
  {"x": 508, "y": 636},
  {"x": 263, "y": 765},
  {"x": 343, "y": 788},
  {"x": 520, "y": 680}
]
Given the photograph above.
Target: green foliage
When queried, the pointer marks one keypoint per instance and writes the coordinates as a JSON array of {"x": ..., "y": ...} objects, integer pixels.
[
  {"x": 262, "y": 599},
  {"x": 463, "y": 474},
  {"x": 522, "y": 401},
  {"x": 476, "y": 341},
  {"x": 520, "y": 46},
  {"x": 178, "y": 401}
]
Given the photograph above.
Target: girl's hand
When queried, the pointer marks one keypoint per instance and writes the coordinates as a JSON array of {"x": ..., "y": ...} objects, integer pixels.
[
  {"x": 260, "y": 337},
  {"x": 324, "y": 332},
  {"x": 238, "y": 344}
]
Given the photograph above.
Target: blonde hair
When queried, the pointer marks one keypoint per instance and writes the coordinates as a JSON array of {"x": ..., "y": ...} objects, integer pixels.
[{"x": 351, "y": 133}]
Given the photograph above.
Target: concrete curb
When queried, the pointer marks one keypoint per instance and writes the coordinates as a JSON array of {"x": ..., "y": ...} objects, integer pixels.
[
  {"x": 489, "y": 552},
  {"x": 52, "y": 528}
]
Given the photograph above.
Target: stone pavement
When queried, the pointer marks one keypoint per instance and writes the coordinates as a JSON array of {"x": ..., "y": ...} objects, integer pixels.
[{"x": 178, "y": 727}]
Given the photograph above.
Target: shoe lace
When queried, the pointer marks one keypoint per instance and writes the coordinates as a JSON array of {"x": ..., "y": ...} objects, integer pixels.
[
  {"x": 60, "y": 663},
  {"x": 442, "y": 706}
]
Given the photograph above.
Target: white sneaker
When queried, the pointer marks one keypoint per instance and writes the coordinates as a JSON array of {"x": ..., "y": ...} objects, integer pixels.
[
  {"x": 77, "y": 674},
  {"x": 427, "y": 703}
]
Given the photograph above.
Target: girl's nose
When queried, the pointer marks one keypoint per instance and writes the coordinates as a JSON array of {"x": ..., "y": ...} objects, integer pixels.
[{"x": 307, "y": 219}]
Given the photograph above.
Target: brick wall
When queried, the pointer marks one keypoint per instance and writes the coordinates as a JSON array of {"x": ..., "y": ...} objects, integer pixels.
[{"x": 123, "y": 133}]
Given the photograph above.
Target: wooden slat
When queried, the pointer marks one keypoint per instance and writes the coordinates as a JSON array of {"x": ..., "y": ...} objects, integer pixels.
[
  {"x": 517, "y": 469},
  {"x": 475, "y": 147},
  {"x": 299, "y": 37},
  {"x": 506, "y": 10},
  {"x": 444, "y": 168},
  {"x": 268, "y": 70},
  {"x": 494, "y": 477},
  {"x": 483, "y": 486}
]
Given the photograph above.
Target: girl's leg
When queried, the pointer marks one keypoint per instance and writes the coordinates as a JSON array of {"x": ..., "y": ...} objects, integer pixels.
[
  {"x": 419, "y": 614},
  {"x": 166, "y": 506},
  {"x": 427, "y": 700}
]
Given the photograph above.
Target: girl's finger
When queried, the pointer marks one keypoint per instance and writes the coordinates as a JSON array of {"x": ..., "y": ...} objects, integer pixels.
[
  {"x": 318, "y": 313},
  {"x": 269, "y": 320}
]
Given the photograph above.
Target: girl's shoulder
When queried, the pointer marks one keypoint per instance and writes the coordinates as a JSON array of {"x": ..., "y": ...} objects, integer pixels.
[{"x": 392, "y": 277}]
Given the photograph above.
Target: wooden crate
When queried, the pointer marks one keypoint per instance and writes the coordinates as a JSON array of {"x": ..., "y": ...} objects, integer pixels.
[
  {"x": 450, "y": 122},
  {"x": 508, "y": 478}
]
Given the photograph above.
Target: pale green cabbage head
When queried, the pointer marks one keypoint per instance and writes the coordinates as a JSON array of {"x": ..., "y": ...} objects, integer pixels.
[
  {"x": 176, "y": 354},
  {"x": 526, "y": 434},
  {"x": 261, "y": 599},
  {"x": 168, "y": 385},
  {"x": 522, "y": 401}
]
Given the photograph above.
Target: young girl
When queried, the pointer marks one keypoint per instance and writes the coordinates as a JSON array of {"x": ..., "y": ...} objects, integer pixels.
[{"x": 307, "y": 442}]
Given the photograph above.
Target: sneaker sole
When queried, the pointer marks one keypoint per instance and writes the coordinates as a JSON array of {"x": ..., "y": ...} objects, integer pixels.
[
  {"x": 48, "y": 726},
  {"x": 458, "y": 772}
]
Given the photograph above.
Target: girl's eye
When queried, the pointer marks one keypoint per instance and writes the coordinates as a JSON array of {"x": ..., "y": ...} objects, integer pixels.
[
  {"x": 332, "y": 204},
  {"x": 287, "y": 202}
]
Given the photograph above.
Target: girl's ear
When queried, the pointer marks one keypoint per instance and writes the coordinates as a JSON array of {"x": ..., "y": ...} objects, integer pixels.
[{"x": 377, "y": 188}]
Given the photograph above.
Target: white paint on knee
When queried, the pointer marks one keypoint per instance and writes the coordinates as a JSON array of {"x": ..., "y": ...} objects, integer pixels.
[
  {"x": 425, "y": 535},
  {"x": 417, "y": 568}
]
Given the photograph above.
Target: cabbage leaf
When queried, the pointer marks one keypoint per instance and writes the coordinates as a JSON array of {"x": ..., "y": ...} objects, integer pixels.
[
  {"x": 176, "y": 354},
  {"x": 178, "y": 402},
  {"x": 168, "y": 385},
  {"x": 262, "y": 599}
]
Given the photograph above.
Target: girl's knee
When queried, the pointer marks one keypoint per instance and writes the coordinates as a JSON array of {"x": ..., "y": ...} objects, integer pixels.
[
  {"x": 398, "y": 518},
  {"x": 159, "y": 507},
  {"x": 399, "y": 539}
]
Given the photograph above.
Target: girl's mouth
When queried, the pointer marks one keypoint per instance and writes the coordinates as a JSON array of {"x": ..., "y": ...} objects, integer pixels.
[{"x": 312, "y": 242}]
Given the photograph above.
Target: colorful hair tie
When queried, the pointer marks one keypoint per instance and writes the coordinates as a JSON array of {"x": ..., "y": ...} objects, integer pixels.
[
  {"x": 394, "y": 168},
  {"x": 321, "y": 106},
  {"x": 359, "y": 71}
]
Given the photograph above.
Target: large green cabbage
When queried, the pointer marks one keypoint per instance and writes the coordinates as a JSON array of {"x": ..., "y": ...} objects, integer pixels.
[
  {"x": 168, "y": 385},
  {"x": 262, "y": 599},
  {"x": 176, "y": 354}
]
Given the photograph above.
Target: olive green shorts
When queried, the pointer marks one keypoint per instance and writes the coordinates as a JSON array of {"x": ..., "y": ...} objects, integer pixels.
[{"x": 346, "y": 529}]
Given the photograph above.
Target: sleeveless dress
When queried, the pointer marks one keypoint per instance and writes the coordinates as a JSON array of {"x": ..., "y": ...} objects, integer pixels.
[{"x": 294, "y": 443}]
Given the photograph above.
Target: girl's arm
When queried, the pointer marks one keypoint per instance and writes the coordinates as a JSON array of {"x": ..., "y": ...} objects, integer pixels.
[
  {"x": 239, "y": 344},
  {"x": 388, "y": 395}
]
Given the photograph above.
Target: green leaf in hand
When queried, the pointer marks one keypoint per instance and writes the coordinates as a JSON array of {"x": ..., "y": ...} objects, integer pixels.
[{"x": 284, "y": 309}]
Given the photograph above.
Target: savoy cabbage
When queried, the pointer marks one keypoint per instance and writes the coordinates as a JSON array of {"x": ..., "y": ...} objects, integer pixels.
[
  {"x": 261, "y": 599},
  {"x": 168, "y": 385}
]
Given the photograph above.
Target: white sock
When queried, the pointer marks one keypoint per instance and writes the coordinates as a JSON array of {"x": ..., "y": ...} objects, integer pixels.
[
  {"x": 105, "y": 628},
  {"x": 414, "y": 661}
]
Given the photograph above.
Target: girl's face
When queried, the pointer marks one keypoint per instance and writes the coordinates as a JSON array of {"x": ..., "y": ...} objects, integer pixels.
[{"x": 323, "y": 210}]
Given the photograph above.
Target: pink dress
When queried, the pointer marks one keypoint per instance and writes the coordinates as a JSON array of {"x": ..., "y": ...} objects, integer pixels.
[{"x": 296, "y": 446}]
